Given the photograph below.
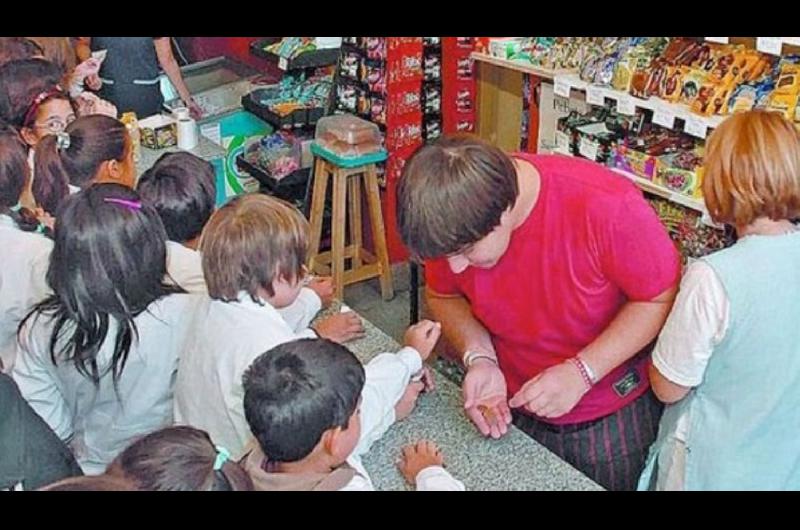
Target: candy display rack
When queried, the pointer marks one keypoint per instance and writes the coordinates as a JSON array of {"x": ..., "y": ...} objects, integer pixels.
[
  {"x": 311, "y": 59},
  {"x": 380, "y": 79}
]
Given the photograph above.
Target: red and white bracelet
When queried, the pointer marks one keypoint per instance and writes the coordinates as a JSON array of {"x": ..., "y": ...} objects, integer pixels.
[{"x": 586, "y": 374}]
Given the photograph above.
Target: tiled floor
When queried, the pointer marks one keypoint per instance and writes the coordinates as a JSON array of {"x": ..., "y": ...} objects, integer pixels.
[{"x": 391, "y": 317}]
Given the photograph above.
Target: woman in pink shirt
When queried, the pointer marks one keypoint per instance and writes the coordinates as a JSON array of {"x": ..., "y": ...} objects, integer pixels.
[{"x": 551, "y": 275}]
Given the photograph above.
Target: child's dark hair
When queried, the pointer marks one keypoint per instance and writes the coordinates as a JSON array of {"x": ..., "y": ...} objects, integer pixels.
[
  {"x": 14, "y": 174},
  {"x": 74, "y": 157},
  {"x": 108, "y": 263},
  {"x": 91, "y": 483},
  {"x": 179, "y": 458},
  {"x": 20, "y": 82},
  {"x": 298, "y": 390},
  {"x": 181, "y": 187},
  {"x": 16, "y": 48}
]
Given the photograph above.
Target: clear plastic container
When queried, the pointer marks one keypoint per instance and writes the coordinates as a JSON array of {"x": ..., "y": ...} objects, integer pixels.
[
  {"x": 346, "y": 135},
  {"x": 348, "y": 129}
]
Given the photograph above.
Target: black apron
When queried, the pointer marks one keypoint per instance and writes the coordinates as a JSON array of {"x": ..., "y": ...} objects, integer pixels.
[{"x": 130, "y": 74}]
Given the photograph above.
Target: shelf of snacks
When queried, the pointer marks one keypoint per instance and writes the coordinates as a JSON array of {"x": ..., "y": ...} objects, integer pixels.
[
  {"x": 519, "y": 65},
  {"x": 295, "y": 53},
  {"x": 771, "y": 45},
  {"x": 274, "y": 160},
  {"x": 380, "y": 79},
  {"x": 660, "y": 161},
  {"x": 665, "y": 113},
  {"x": 688, "y": 79},
  {"x": 431, "y": 96},
  {"x": 665, "y": 193},
  {"x": 294, "y": 102},
  {"x": 693, "y": 238}
]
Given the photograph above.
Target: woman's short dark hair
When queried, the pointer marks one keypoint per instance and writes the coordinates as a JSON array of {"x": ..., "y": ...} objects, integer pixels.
[
  {"x": 452, "y": 194},
  {"x": 181, "y": 187},
  {"x": 296, "y": 391},
  {"x": 108, "y": 263},
  {"x": 179, "y": 458}
]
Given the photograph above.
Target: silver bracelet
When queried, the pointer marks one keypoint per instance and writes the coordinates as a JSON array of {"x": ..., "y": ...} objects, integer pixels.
[{"x": 471, "y": 356}]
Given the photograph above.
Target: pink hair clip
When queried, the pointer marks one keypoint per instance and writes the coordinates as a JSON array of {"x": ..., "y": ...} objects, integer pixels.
[{"x": 131, "y": 205}]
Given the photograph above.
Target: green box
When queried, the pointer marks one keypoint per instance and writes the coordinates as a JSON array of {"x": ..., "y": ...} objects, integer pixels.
[{"x": 233, "y": 131}]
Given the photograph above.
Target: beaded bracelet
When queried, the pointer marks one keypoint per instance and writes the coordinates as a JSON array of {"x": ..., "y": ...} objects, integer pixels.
[{"x": 578, "y": 363}]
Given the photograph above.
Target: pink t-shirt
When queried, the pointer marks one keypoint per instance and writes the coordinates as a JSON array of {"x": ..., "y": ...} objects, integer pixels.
[{"x": 590, "y": 244}]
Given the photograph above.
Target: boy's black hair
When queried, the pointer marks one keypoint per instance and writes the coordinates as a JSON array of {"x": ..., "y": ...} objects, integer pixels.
[
  {"x": 296, "y": 391},
  {"x": 181, "y": 187}
]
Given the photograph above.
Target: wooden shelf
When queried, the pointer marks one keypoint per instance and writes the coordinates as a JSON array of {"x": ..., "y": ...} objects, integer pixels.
[{"x": 518, "y": 66}]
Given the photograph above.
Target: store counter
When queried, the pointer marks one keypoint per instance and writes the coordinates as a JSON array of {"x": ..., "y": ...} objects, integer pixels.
[
  {"x": 515, "y": 462},
  {"x": 205, "y": 149}
]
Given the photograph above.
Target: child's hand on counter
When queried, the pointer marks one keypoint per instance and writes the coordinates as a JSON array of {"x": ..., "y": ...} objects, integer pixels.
[
  {"x": 416, "y": 457},
  {"x": 323, "y": 286},
  {"x": 423, "y": 336},
  {"x": 341, "y": 328},
  {"x": 408, "y": 401},
  {"x": 426, "y": 377}
]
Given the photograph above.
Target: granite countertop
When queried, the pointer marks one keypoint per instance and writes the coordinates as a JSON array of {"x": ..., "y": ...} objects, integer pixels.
[
  {"x": 205, "y": 149},
  {"x": 515, "y": 462}
]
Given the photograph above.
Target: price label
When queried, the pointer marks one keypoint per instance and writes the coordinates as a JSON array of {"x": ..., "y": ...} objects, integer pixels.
[
  {"x": 595, "y": 95},
  {"x": 588, "y": 149},
  {"x": 794, "y": 41},
  {"x": 625, "y": 105},
  {"x": 696, "y": 126},
  {"x": 772, "y": 45},
  {"x": 664, "y": 117},
  {"x": 283, "y": 64},
  {"x": 562, "y": 143},
  {"x": 562, "y": 88},
  {"x": 721, "y": 40}
]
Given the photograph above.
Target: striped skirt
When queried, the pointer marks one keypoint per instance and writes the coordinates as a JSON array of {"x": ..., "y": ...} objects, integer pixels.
[{"x": 611, "y": 450}]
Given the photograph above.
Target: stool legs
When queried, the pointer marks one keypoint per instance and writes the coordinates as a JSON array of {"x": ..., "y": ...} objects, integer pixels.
[
  {"x": 379, "y": 232},
  {"x": 338, "y": 228},
  {"x": 317, "y": 210},
  {"x": 347, "y": 199},
  {"x": 356, "y": 229}
]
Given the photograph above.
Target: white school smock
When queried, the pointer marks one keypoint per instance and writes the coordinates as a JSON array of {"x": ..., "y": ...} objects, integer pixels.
[
  {"x": 224, "y": 340},
  {"x": 98, "y": 422},
  {"x": 22, "y": 281},
  {"x": 185, "y": 267}
]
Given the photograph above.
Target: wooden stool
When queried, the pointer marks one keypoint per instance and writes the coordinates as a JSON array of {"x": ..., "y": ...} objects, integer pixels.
[{"x": 347, "y": 176}]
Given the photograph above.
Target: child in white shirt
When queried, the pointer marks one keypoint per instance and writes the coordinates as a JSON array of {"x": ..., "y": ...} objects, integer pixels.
[
  {"x": 181, "y": 186},
  {"x": 315, "y": 411},
  {"x": 97, "y": 358},
  {"x": 26, "y": 250},
  {"x": 253, "y": 253}
]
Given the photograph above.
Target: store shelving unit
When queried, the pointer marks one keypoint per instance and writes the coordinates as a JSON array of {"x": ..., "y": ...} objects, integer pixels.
[
  {"x": 519, "y": 66},
  {"x": 665, "y": 113}
]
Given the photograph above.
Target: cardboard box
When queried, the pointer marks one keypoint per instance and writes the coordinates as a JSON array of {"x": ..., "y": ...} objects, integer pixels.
[{"x": 158, "y": 131}]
